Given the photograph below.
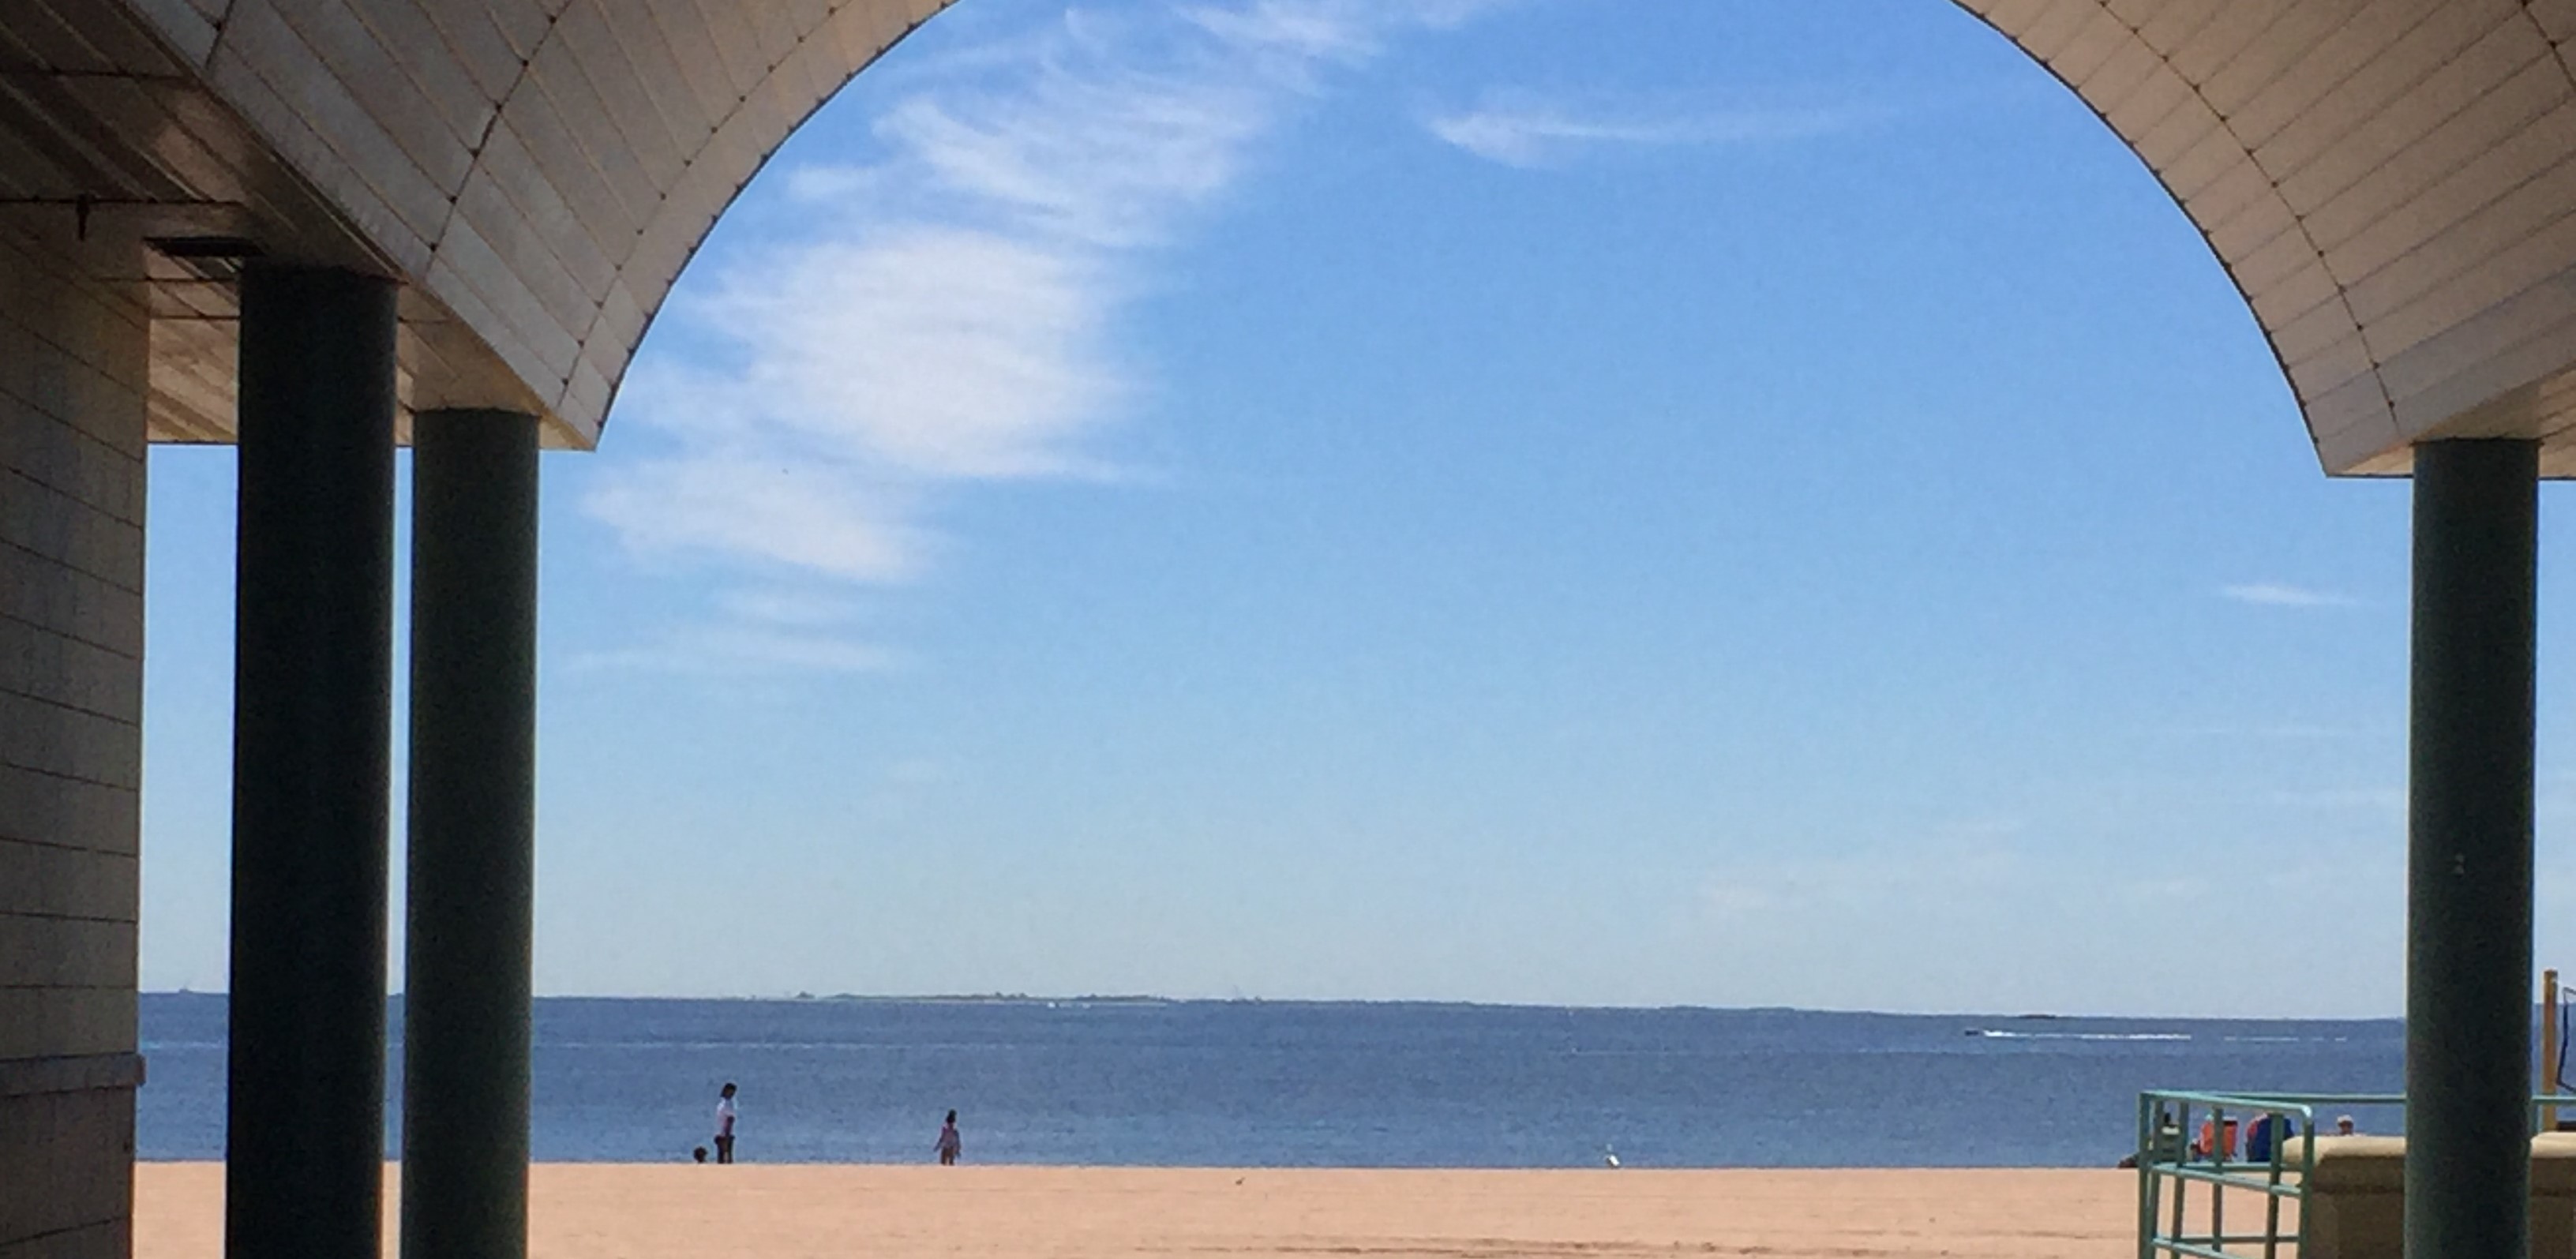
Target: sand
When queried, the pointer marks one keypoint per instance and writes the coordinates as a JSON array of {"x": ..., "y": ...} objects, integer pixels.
[{"x": 581, "y": 1210}]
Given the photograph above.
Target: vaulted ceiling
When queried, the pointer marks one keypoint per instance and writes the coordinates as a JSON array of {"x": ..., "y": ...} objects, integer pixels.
[{"x": 2390, "y": 183}]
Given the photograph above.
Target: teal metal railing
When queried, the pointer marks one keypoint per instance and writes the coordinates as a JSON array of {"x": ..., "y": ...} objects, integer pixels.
[
  {"x": 2201, "y": 1141},
  {"x": 2189, "y": 1140}
]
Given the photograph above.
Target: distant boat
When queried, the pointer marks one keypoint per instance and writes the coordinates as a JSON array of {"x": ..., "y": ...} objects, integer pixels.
[{"x": 1997, "y": 1033}]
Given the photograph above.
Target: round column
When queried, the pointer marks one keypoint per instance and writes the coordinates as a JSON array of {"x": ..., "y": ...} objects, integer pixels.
[
  {"x": 472, "y": 835},
  {"x": 2469, "y": 821},
  {"x": 312, "y": 729}
]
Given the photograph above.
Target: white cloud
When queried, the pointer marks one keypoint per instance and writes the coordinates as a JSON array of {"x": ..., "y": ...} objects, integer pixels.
[
  {"x": 816, "y": 518},
  {"x": 1314, "y": 31},
  {"x": 735, "y": 650},
  {"x": 2273, "y": 594},
  {"x": 1522, "y": 129},
  {"x": 793, "y": 606},
  {"x": 1948, "y": 868},
  {"x": 758, "y": 631},
  {"x": 2050, "y": 921},
  {"x": 2366, "y": 799},
  {"x": 942, "y": 315},
  {"x": 2309, "y": 732},
  {"x": 1330, "y": 30}
]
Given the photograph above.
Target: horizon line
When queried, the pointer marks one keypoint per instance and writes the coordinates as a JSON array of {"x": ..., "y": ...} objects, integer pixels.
[{"x": 1016, "y": 998}]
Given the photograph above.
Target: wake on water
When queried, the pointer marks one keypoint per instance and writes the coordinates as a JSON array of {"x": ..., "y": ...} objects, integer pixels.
[{"x": 1992, "y": 1033}]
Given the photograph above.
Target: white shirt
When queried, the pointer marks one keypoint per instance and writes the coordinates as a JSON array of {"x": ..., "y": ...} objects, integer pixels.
[{"x": 724, "y": 1116}]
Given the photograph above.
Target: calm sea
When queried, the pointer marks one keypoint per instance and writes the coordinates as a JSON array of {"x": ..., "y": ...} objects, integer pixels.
[{"x": 1295, "y": 1084}]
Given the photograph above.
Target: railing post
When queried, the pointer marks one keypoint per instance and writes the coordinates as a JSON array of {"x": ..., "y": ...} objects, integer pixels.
[
  {"x": 2549, "y": 1049},
  {"x": 2148, "y": 1131}
]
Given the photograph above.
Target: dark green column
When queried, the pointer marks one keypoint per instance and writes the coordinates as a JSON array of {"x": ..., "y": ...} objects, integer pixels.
[
  {"x": 312, "y": 729},
  {"x": 472, "y": 835},
  {"x": 2468, "y": 878}
]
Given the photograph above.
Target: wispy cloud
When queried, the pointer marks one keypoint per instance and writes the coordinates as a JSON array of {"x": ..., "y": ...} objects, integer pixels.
[
  {"x": 2046, "y": 921},
  {"x": 942, "y": 316},
  {"x": 789, "y": 606},
  {"x": 1527, "y": 130},
  {"x": 734, "y": 650},
  {"x": 1348, "y": 31},
  {"x": 1947, "y": 866},
  {"x": 2273, "y": 594},
  {"x": 2364, "y": 799},
  {"x": 2278, "y": 731},
  {"x": 759, "y": 631}
]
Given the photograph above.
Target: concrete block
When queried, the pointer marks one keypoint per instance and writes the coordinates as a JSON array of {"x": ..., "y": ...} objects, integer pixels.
[
  {"x": 69, "y": 812},
  {"x": 38, "y": 447},
  {"x": 46, "y": 953},
  {"x": 52, "y": 1022},
  {"x": 57, "y": 526},
  {"x": 113, "y": 1239},
  {"x": 67, "y": 882},
  {"x": 53, "y": 596},
  {"x": 72, "y": 1154},
  {"x": 68, "y": 743},
  {"x": 57, "y": 668},
  {"x": 2356, "y": 1198}
]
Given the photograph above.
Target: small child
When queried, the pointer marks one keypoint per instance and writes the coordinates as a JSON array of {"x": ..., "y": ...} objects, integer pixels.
[
  {"x": 948, "y": 1143},
  {"x": 699, "y": 1153}
]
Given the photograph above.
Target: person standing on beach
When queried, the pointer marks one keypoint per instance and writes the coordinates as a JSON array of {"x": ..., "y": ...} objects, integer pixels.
[
  {"x": 724, "y": 1124},
  {"x": 948, "y": 1142}
]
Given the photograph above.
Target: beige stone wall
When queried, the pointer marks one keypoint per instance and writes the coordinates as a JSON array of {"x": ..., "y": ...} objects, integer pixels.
[{"x": 73, "y": 362}]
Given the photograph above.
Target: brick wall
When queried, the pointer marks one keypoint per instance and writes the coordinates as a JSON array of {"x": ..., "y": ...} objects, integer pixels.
[{"x": 73, "y": 356}]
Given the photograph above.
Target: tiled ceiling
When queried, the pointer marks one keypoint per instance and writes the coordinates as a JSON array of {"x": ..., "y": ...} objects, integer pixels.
[
  {"x": 2389, "y": 182},
  {"x": 119, "y": 165}
]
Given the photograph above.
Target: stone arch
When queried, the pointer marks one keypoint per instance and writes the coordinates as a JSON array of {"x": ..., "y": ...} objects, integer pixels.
[{"x": 2388, "y": 182}]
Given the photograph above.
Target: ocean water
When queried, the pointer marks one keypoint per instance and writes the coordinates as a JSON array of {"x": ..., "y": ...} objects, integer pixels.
[{"x": 1321, "y": 1084}]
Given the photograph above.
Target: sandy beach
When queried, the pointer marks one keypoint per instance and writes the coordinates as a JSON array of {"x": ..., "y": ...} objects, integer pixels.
[{"x": 583, "y": 1210}]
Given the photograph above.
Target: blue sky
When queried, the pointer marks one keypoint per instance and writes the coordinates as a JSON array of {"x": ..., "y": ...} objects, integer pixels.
[{"x": 1665, "y": 501}]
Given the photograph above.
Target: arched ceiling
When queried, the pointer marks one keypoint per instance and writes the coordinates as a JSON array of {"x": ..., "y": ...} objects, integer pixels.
[{"x": 2389, "y": 182}]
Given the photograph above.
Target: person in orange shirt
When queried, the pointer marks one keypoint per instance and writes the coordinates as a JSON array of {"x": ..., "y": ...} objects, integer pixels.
[{"x": 2216, "y": 1141}]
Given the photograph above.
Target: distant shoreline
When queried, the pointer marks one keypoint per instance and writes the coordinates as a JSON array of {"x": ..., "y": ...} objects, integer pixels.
[
  {"x": 1312, "y": 1084},
  {"x": 1110, "y": 1000}
]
